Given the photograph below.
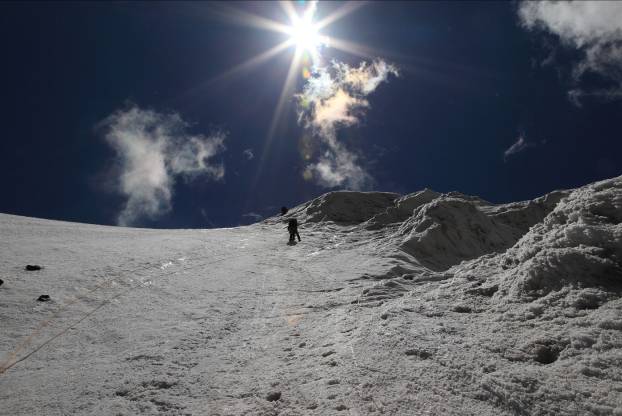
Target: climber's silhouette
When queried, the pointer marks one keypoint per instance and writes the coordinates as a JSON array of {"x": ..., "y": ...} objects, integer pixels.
[
  {"x": 292, "y": 227},
  {"x": 283, "y": 210}
]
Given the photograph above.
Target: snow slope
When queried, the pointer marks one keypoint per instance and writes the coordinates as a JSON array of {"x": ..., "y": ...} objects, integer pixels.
[{"x": 420, "y": 304}]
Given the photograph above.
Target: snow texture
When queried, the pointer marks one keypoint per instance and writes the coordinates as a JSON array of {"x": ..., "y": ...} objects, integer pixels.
[{"x": 429, "y": 303}]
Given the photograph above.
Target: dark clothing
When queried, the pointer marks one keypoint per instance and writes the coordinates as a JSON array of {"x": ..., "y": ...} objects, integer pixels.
[
  {"x": 292, "y": 227},
  {"x": 292, "y": 235}
]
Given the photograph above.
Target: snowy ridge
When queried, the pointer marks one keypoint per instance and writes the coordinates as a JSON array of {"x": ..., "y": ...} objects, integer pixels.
[
  {"x": 343, "y": 207},
  {"x": 557, "y": 258},
  {"x": 427, "y": 303},
  {"x": 437, "y": 230}
]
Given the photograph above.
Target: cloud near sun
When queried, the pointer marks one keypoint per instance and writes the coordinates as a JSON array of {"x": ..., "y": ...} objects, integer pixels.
[
  {"x": 334, "y": 97},
  {"x": 153, "y": 149}
]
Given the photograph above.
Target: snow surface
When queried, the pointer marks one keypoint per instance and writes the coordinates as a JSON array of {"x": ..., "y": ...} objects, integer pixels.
[{"x": 420, "y": 304}]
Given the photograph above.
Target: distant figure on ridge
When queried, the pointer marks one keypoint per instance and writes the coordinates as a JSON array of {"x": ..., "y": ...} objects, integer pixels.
[
  {"x": 283, "y": 210},
  {"x": 292, "y": 227}
]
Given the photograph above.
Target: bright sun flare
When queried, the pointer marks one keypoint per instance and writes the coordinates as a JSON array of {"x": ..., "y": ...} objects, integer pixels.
[{"x": 305, "y": 35}]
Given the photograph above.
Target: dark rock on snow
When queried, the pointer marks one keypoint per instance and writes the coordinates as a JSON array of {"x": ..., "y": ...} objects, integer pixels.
[
  {"x": 32, "y": 267},
  {"x": 274, "y": 396}
]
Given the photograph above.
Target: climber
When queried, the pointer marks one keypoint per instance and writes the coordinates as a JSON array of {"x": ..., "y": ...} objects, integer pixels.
[{"x": 292, "y": 227}]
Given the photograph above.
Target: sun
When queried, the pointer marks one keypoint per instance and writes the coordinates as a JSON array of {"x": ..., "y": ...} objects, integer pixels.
[{"x": 304, "y": 34}]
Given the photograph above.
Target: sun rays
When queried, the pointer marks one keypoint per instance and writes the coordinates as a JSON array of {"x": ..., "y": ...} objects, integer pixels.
[{"x": 303, "y": 34}]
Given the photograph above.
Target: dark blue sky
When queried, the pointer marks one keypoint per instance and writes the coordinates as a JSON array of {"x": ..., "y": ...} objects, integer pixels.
[{"x": 471, "y": 82}]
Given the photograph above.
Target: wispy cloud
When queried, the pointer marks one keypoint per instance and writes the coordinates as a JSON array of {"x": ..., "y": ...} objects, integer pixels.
[
  {"x": 520, "y": 145},
  {"x": 335, "y": 97},
  {"x": 592, "y": 27},
  {"x": 153, "y": 149},
  {"x": 248, "y": 154}
]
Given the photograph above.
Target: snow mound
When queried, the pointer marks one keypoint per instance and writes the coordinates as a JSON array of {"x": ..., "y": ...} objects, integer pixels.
[
  {"x": 578, "y": 245},
  {"x": 448, "y": 230},
  {"x": 403, "y": 209},
  {"x": 436, "y": 230},
  {"x": 524, "y": 215},
  {"x": 346, "y": 207},
  {"x": 444, "y": 230},
  {"x": 575, "y": 251}
]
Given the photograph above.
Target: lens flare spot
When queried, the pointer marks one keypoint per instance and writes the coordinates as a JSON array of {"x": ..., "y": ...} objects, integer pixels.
[{"x": 307, "y": 175}]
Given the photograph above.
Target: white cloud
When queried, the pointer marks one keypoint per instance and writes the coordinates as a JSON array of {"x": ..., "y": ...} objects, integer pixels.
[
  {"x": 248, "y": 154},
  {"x": 338, "y": 109},
  {"x": 152, "y": 150},
  {"x": 366, "y": 77},
  {"x": 611, "y": 94},
  {"x": 592, "y": 27},
  {"x": 338, "y": 167},
  {"x": 517, "y": 147},
  {"x": 335, "y": 97}
]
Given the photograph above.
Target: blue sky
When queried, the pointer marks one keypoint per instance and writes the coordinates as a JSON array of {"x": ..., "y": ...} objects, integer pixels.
[{"x": 140, "y": 114}]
